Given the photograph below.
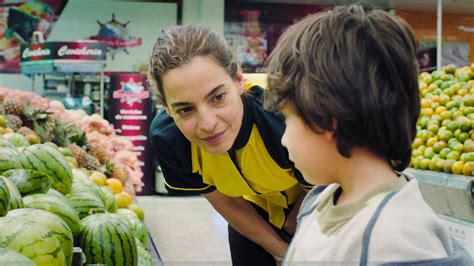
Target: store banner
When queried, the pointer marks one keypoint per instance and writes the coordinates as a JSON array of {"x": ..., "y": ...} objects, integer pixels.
[
  {"x": 130, "y": 111},
  {"x": 63, "y": 51},
  {"x": 19, "y": 21}
]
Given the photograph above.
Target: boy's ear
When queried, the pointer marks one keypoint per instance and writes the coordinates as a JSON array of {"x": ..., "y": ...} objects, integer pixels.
[{"x": 330, "y": 134}]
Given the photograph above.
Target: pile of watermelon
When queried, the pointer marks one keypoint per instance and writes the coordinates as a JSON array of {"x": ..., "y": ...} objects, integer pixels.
[{"x": 49, "y": 205}]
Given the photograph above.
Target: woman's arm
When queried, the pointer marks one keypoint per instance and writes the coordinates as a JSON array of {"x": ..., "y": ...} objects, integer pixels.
[
  {"x": 290, "y": 223},
  {"x": 245, "y": 219}
]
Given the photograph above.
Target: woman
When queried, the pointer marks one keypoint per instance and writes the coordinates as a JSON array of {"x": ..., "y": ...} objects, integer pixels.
[{"x": 216, "y": 140}]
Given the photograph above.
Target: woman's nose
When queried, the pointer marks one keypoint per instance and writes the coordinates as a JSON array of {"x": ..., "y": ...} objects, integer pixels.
[{"x": 207, "y": 121}]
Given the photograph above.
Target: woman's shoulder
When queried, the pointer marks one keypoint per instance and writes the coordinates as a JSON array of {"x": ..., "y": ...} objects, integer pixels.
[
  {"x": 167, "y": 140},
  {"x": 163, "y": 127}
]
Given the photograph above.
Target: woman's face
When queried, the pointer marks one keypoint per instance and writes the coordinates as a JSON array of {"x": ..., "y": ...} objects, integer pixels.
[{"x": 205, "y": 103}]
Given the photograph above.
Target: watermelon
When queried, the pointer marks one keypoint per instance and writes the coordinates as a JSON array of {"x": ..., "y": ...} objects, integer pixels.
[
  {"x": 5, "y": 143},
  {"x": 50, "y": 161},
  {"x": 16, "y": 200},
  {"x": 55, "y": 193},
  {"x": 88, "y": 186},
  {"x": 85, "y": 203},
  {"x": 55, "y": 205},
  {"x": 10, "y": 257},
  {"x": 144, "y": 257},
  {"x": 4, "y": 198},
  {"x": 65, "y": 151},
  {"x": 80, "y": 174},
  {"x": 53, "y": 223},
  {"x": 31, "y": 239},
  {"x": 17, "y": 139},
  {"x": 29, "y": 181},
  {"x": 9, "y": 159},
  {"x": 110, "y": 202},
  {"x": 106, "y": 239},
  {"x": 136, "y": 225}
]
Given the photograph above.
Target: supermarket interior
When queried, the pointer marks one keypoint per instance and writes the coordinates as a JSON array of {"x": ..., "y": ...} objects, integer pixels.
[{"x": 88, "y": 179}]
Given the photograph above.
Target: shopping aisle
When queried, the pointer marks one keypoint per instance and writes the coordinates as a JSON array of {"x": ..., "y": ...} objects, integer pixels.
[{"x": 186, "y": 230}]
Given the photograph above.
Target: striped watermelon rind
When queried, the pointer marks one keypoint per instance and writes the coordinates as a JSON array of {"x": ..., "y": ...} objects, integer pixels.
[
  {"x": 16, "y": 201},
  {"x": 29, "y": 181},
  {"x": 55, "y": 193},
  {"x": 85, "y": 203},
  {"x": 46, "y": 159},
  {"x": 4, "y": 198},
  {"x": 144, "y": 257},
  {"x": 110, "y": 202},
  {"x": 79, "y": 186},
  {"x": 32, "y": 240},
  {"x": 17, "y": 139},
  {"x": 106, "y": 239},
  {"x": 136, "y": 225},
  {"x": 53, "y": 223},
  {"x": 10, "y": 257},
  {"x": 53, "y": 204},
  {"x": 9, "y": 159},
  {"x": 5, "y": 143}
]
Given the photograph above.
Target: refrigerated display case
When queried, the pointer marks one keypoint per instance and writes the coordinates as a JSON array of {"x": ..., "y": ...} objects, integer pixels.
[{"x": 72, "y": 71}]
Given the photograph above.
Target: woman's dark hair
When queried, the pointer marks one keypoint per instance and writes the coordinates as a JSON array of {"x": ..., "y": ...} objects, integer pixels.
[
  {"x": 178, "y": 45},
  {"x": 352, "y": 71}
]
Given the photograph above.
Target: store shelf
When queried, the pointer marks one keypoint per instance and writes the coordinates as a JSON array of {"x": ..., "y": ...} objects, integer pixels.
[{"x": 447, "y": 194}]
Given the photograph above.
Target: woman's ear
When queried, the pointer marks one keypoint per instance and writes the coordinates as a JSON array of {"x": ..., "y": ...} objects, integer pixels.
[{"x": 240, "y": 79}]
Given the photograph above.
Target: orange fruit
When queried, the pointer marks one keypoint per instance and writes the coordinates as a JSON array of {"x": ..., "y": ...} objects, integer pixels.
[
  {"x": 115, "y": 185},
  {"x": 457, "y": 168},
  {"x": 98, "y": 178},
  {"x": 468, "y": 168},
  {"x": 128, "y": 196},
  {"x": 122, "y": 200}
]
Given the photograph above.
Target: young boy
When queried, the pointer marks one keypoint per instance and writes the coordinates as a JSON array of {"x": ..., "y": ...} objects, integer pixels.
[{"x": 346, "y": 82}]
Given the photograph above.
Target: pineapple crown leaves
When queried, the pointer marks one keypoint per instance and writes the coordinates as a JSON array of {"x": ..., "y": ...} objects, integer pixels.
[
  {"x": 40, "y": 121},
  {"x": 59, "y": 135},
  {"x": 77, "y": 136}
]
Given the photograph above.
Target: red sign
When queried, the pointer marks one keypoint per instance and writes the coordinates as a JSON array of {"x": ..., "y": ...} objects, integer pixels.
[
  {"x": 63, "y": 51},
  {"x": 130, "y": 111}
]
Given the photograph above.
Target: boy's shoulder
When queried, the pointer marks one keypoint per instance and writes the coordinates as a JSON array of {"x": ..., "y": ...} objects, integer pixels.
[{"x": 406, "y": 224}]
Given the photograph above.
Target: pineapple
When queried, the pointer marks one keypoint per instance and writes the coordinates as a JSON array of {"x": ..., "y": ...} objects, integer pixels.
[
  {"x": 83, "y": 158},
  {"x": 25, "y": 131},
  {"x": 14, "y": 121},
  {"x": 116, "y": 171},
  {"x": 13, "y": 107},
  {"x": 100, "y": 152},
  {"x": 58, "y": 135},
  {"x": 120, "y": 173},
  {"x": 30, "y": 135},
  {"x": 76, "y": 135},
  {"x": 40, "y": 121}
]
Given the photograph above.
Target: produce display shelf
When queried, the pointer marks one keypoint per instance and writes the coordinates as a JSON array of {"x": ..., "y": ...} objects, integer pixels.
[{"x": 447, "y": 194}]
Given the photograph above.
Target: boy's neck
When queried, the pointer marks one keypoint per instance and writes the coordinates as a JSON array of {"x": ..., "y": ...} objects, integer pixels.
[{"x": 361, "y": 173}]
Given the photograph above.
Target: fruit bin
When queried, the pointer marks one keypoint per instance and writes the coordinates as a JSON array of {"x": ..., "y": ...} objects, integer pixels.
[
  {"x": 452, "y": 198},
  {"x": 447, "y": 194}
]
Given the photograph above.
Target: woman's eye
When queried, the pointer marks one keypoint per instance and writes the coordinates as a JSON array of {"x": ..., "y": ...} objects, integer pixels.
[
  {"x": 184, "y": 111},
  {"x": 219, "y": 98}
]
